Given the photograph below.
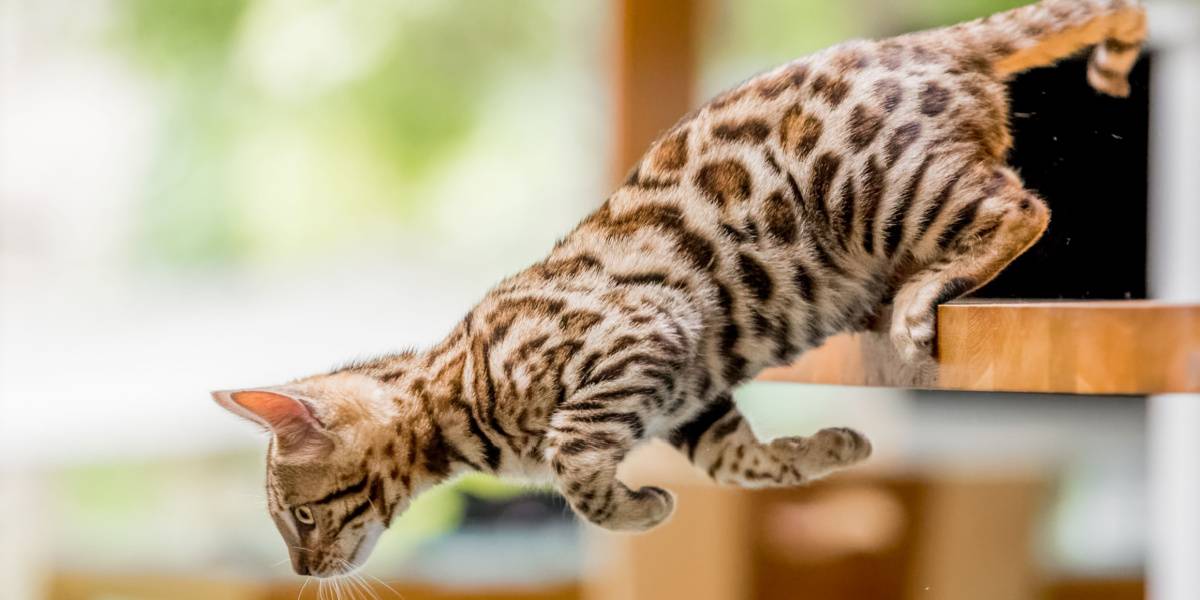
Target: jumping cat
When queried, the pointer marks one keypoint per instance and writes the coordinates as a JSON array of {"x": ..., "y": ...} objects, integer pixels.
[{"x": 803, "y": 203}]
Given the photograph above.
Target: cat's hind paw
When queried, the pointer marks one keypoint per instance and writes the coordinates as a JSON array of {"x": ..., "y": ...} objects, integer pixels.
[
  {"x": 914, "y": 337},
  {"x": 825, "y": 451},
  {"x": 1117, "y": 87},
  {"x": 914, "y": 320},
  {"x": 843, "y": 445}
]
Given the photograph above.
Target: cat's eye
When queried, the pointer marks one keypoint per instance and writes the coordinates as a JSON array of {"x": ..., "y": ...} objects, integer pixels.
[{"x": 303, "y": 515}]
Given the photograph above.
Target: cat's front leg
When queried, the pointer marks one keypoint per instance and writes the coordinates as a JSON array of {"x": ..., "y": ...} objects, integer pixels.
[
  {"x": 618, "y": 395},
  {"x": 585, "y": 460}
]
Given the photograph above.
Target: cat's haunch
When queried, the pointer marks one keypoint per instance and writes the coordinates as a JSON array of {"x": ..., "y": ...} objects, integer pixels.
[{"x": 804, "y": 203}]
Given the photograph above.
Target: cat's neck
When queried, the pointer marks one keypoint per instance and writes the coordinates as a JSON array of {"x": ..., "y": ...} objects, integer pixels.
[{"x": 435, "y": 422}]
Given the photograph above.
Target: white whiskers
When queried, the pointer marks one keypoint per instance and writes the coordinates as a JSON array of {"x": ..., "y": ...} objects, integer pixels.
[
  {"x": 384, "y": 584},
  {"x": 349, "y": 585},
  {"x": 355, "y": 581},
  {"x": 304, "y": 585}
]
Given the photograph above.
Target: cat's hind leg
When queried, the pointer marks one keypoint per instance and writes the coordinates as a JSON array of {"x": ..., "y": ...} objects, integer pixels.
[
  {"x": 992, "y": 222},
  {"x": 1112, "y": 60},
  {"x": 720, "y": 442}
]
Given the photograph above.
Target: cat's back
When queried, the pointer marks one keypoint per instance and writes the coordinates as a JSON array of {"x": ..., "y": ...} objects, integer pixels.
[{"x": 848, "y": 103}]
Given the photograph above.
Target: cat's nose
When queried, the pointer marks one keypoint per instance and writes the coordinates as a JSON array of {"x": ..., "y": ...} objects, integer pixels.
[{"x": 299, "y": 564}]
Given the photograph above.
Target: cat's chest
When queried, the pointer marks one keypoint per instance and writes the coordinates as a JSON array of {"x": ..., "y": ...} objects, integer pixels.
[{"x": 529, "y": 470}]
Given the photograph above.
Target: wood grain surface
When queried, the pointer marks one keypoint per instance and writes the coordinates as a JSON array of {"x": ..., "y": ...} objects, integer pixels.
[{"x": 1067, "y": 347}]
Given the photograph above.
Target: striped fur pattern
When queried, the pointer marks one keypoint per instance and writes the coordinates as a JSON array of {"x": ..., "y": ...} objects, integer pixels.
[{"x": 864, "y": 181}]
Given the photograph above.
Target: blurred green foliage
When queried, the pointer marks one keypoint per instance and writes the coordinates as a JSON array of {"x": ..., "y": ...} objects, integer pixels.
[
  {"x": 298, "y": 123},
  {"x": 179, "y": 37},
  {"x": 290, "y": 126}
]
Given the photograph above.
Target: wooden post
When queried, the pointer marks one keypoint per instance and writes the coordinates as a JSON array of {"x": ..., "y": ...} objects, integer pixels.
[{"x": 654, "y": 72}]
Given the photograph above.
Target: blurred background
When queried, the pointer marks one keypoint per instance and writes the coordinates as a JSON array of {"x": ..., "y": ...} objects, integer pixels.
[{"x": 205, "y": 194}]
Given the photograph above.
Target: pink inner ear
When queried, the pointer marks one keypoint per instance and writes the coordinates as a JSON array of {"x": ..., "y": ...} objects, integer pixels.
[
  {"x": 275, "y": 410},
  {"x": 297, "y": 431}
]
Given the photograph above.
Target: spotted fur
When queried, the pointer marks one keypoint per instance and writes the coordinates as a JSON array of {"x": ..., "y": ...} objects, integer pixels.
[{"x": 802, "y": 204}]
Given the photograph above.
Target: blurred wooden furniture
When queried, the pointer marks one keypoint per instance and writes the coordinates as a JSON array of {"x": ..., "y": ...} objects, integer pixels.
[
  {"x": 894, "y": 538},
  {"x": 429, "y": 592},
  {"x": 140, "y": 586},
  {"x": 1095, "y": 589},
  {"x": 1075, "y": 347},
  {"x": 93, "y": 586},
  {"x": 926, "y": 536}
]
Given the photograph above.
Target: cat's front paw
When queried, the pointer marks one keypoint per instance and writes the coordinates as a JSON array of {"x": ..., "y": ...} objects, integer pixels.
[{"x": 640, "y": 510}]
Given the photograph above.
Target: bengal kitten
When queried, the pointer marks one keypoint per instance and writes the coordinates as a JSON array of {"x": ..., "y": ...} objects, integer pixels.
[{"x": 801, "y": 204}]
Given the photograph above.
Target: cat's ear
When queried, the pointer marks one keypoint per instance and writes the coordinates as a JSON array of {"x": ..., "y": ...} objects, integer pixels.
[{"x": 297, "y": 430}]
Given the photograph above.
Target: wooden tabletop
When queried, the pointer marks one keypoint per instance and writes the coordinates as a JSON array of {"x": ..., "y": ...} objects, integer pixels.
[{"x": 1068, "y": 347}]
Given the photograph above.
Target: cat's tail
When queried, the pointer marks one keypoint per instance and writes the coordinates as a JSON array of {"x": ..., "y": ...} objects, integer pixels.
[{"x": 1041, "y": 34}]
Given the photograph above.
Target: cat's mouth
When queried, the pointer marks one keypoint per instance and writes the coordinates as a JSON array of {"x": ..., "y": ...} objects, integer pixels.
[
  {"x": 336, "y": 567},
  {"x": 331, "y": 567}
]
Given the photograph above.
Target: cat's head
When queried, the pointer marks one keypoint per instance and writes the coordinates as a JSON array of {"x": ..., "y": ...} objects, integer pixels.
[{"x": 326, "y": 488}]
